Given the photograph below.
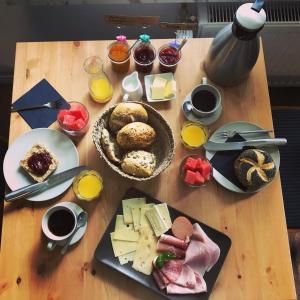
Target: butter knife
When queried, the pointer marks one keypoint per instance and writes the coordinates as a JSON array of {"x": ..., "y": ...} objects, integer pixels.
[
  {"x": 53, "y": 180},
  {"x": 230, "y": 146}
]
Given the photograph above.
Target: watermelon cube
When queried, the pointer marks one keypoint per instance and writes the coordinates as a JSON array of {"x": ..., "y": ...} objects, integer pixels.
[
  {"x": 76, "y": 113},
  {"x": 199, "y": 179},
  {"x": 206, "y": 170},
  {"x": 62, "y": 113},
  {"x": 199, "y": 164},
  {"x": 190, "y": 164},
  {"x": 79, "y": 124},
  {"x": 190, "y": 177},
  {"x": 68, "y": 120}
]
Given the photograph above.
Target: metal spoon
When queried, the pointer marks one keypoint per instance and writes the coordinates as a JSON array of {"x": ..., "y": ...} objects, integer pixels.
[{"x": 81, "y": 221}]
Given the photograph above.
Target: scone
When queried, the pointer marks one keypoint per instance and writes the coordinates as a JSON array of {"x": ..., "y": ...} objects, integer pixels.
[
  {"x": 136, "y": 135},
  {"x": 139, "y": 163},
  {"x": 125, "y": 113},
  {"x": 39, "y": 162},
  {"x": 254, "y": 169},
  {"x": 111, "y": 148}
]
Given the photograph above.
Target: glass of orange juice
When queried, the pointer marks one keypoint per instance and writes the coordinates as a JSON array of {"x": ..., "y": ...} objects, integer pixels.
[
  {"x": 194, "y": 135},
  {"x": 88, "y": 185}
]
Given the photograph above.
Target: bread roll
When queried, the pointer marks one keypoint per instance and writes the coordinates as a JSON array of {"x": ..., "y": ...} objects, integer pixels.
[
  {"x": 139, "y": 163},
  {"x": 136, "y": 135},
  {"x": 125, "y": 113},
  {"x": 254, "y": 168},
  {"x": 111, "y": 148}
]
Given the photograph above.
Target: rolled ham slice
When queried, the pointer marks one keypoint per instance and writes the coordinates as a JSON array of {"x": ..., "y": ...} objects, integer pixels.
[
  {"x": 171, "y": 240},
  {"x": 202, "y": 253},
  {"x": 162, "y": 247},
  {"x": 200, "y": 287},
  {"x": 186, "y": 278},
  {"x": 158, "y": 280},
  {"x": 163, "y": 278}
]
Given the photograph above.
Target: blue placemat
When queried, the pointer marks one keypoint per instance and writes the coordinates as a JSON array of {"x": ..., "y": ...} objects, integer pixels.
[{"x": 41, "y": 93}]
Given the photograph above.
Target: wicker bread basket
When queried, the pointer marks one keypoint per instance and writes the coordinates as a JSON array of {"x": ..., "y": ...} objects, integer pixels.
[{"x": 163, "y": 147}]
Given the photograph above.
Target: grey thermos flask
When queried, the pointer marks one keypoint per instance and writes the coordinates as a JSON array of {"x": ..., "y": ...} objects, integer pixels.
[{"x": 234, "y": 50}]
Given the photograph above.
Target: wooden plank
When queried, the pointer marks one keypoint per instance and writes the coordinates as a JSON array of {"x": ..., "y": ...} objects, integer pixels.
[{"x": 258, "y": 265}]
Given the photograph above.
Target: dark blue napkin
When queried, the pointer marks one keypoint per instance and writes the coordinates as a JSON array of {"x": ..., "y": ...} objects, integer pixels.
[
  {"x": 223, "y": 162},
  {"x": 41, "y": 93}
]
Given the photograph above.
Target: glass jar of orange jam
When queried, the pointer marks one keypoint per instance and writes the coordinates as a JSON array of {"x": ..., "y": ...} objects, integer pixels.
[{"x": 118, "y": 53}]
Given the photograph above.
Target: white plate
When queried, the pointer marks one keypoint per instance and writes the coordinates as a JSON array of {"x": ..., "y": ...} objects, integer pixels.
[
  {"x": 204, "y": 120},
  {"x": 57, "y": 142},
  {"x": 240, "y": 126},
  {"x": 148, "y": 82}
]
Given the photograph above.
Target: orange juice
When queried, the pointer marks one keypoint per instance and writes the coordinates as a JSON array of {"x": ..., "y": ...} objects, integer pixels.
[{"x": 194, "y": 135}]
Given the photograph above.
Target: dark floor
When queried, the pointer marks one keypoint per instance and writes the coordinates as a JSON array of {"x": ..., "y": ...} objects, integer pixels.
[{"x": 288, "y": 98}]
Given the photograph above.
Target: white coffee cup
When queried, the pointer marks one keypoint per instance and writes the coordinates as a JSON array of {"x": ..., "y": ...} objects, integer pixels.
[
  {"x": 132, "y": 87},
  {"x": 191, "y": 105},
  {"x": 55, "y": 238}
]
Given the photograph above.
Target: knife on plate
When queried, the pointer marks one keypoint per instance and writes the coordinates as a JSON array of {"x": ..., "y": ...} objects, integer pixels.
[
  {"x": 53, "y": 180},
  {"x": 229, "y": 146}
]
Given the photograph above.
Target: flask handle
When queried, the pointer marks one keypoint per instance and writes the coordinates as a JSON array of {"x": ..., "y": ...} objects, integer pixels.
[{"x": 258, "y": 5}]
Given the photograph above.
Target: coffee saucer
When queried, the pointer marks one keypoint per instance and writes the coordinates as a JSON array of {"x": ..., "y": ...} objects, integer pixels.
[
  {"x": 204, "y": 120},
  {"x": 81, "y": 231}
]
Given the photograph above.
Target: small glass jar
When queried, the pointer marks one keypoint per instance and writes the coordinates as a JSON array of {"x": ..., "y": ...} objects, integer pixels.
[
  {"x": 144, "y": 54},
  {"x": 207, "y": 176},
  {"x": 119, "y": 55},
  {"x": 75, "y": 120},
  {"x": 194, "y": 135},
  {"x": 100, "y": 87},
  {"x": 88, "y": 185},
  {"x": 169, "y": 58}
]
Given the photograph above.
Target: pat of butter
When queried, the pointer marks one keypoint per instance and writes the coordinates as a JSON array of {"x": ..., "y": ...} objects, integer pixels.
[
  {"x": 158, "y": 88},
  {"x": 170, "y": 89}
]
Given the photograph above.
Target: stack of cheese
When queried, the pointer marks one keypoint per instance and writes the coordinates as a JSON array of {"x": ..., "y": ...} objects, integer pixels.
[
  {"x": 136, "y": 232},
  {"x": 161, "y": 88}
]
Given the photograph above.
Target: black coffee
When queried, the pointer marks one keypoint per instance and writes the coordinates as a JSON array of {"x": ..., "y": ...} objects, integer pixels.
[
  {"x": 204, "y": 101},
  {"x": 61, "y": 222}
]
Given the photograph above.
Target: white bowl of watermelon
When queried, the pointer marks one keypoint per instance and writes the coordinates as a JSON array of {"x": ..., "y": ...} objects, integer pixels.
[
  {"x": 75, "y": 120},
  {"x": 195, "y": 170}
]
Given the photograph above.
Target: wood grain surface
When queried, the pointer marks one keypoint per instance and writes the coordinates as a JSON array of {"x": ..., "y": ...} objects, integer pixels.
[{"x": 258, "y": 265}]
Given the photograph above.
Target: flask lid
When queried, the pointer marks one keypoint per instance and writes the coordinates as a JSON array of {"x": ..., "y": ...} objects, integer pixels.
[{"x": 249, "y": 17}]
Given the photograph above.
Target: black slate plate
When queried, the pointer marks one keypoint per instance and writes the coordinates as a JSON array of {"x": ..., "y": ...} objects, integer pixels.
[{"x": 104, "y": 252}]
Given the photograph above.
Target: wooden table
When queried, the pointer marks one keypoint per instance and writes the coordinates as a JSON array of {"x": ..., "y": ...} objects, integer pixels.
[{"x": 258, "y": 265}]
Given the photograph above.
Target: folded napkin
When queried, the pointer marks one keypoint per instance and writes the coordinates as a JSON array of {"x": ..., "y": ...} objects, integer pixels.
[
  {"x": 223, "y": 162},
  {"x": 41, "y": 93}
]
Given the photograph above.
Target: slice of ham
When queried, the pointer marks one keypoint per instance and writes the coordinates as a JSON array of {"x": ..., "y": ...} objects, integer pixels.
[
  {"x": 202, "y": 253},
  {"x": 161, "y": 285},
  {"x": 172, "y": 240},
  {"x": 172, "y": 269},
  {"x": 163, "y": 278},
  {"x": 200, "y": 287},
  {"x": 163, "y": 247},
  {"x": 186, "y": 278}
]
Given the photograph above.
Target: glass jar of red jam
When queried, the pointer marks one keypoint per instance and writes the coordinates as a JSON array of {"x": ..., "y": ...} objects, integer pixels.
[
  {"x": 144, "y": 54},
  {"x": 118, "y": 53},
  {"x": 169, "y": 58}
]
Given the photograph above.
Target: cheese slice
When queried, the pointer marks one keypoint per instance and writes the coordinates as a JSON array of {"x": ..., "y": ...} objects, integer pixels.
[
  {"x": 125, "y": 258},
  {"x": 122, "y": 247},
  {"x": 158, "y": 88},
  {"x": 156, "y": 220},
  {"x": 163, "y": 209},
  {"x": 145, "y": 252},
  {"x": 144, "y": 222},
  {"x": 170, "y": 89},
  {"x": 136, "y": 215},
  {"x": 128, "y": 204},
  {"x": 126, "y": 234},
  {"x": 120, "y": 223}
]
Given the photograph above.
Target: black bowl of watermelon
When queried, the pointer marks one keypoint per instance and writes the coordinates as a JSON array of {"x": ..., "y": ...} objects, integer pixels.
[{"x": 195, "y": 171}]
